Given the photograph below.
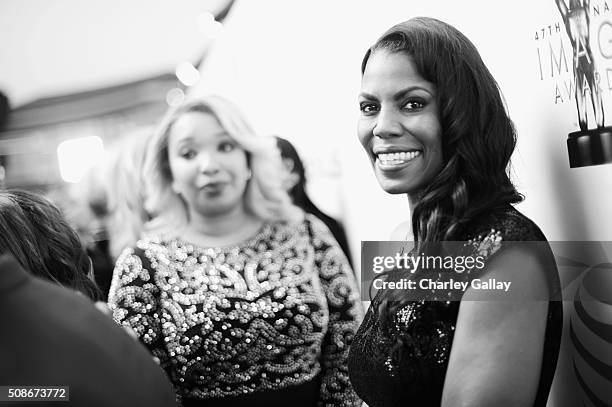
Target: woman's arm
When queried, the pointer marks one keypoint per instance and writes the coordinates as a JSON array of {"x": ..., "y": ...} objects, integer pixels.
[
  {"x": 497, "y": 350},
  {"x": 134, "y": 301}
]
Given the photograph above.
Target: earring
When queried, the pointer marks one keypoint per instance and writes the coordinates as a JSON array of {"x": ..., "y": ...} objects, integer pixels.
[{"x": 249, "y": 174}]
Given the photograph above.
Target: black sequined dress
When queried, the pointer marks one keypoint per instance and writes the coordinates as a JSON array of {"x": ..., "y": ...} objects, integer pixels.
[
  {"x": 260, "y": 323},
  {"x": 416, "y": 378}
]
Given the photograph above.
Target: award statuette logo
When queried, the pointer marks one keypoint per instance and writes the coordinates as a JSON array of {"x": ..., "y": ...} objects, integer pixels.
[{"x": 585, "y": 147}]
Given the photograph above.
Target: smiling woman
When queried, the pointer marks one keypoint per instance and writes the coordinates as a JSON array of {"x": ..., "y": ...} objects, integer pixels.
[
  {"x": 434, "y": 127},
  {"x": 243, "y": 298}
]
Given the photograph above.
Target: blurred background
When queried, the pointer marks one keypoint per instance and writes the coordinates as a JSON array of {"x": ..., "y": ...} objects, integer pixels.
[{"x": 81, "y": 76}]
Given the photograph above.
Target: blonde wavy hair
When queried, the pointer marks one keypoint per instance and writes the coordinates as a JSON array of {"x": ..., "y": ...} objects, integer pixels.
[
  {"x": 112, "y": 193},
  {"x": 264, "y": 196},
  {"x": 125, "y": 193}
]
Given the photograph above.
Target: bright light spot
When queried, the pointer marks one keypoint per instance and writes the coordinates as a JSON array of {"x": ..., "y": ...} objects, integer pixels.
[
  {"x": 204, "y": 21},
  {"x": 77, "y": 156},
  {"x": 175, "y": 96},
  {"x": 210, "y": 29},
  {"x": 217, "y": 29},
  {"x": 187, "y": 74}
]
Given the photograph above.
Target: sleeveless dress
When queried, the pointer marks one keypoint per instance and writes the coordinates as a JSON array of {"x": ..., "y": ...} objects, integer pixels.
[
  {"x": 415, "y": 376},
  {"x": 259, "y": 323}
]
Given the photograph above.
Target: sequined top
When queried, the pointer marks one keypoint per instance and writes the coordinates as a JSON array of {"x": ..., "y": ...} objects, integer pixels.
[
  {"x": 278, "y": 310},
  {"x": 406, "y": 364}
]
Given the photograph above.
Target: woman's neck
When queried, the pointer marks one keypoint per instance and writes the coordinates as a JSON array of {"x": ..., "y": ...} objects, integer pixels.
[
  {"x": 413, "y": 199},
  {"x": 221, "y": 230},
  {"x": 412, "y": 202}
]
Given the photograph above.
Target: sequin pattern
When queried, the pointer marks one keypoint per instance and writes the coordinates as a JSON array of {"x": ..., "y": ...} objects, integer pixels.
[
  {"x": 421, "y": 318},
  {"x": 427, "y": 319},
  {"x": 274, "y": 312}
]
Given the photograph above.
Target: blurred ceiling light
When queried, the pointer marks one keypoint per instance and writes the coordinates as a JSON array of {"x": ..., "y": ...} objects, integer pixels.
[
  {"x": 187, "y": 74},
  {"x": 175, "y": 96},
  {"x": 77, "y": 156}
]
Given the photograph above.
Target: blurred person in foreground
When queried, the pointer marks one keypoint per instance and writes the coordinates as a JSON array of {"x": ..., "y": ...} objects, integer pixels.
[
  {"x": 244, "y": 299},
  {"x": 295, "y": 184},
  {"x": 38, "y": 236},
  {"x": 53, "y": 336}
]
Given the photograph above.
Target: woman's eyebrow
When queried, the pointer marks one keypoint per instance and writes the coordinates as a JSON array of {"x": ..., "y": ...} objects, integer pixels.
[
  {"x": 223, "y": 134},
  {"x": 404, "y": 92},
  {"x": 401, "y": 93},
  {"x": 184, "y": 140},
  {"x": 367, "y": 95}
]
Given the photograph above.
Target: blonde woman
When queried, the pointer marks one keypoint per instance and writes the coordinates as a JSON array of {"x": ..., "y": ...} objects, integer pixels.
[{"x": 243, "y": 298}]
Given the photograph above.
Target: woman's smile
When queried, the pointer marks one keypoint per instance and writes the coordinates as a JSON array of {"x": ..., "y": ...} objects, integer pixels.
[{"x": 396, "y": 161}]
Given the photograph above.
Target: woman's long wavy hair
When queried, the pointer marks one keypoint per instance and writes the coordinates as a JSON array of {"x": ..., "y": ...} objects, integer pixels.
[
  {"x": 478, "y": 137},
  {"x": 36, "y": 233},
  {"x": 124, "y": 193},
  {"x": 264, "y": 196}
]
